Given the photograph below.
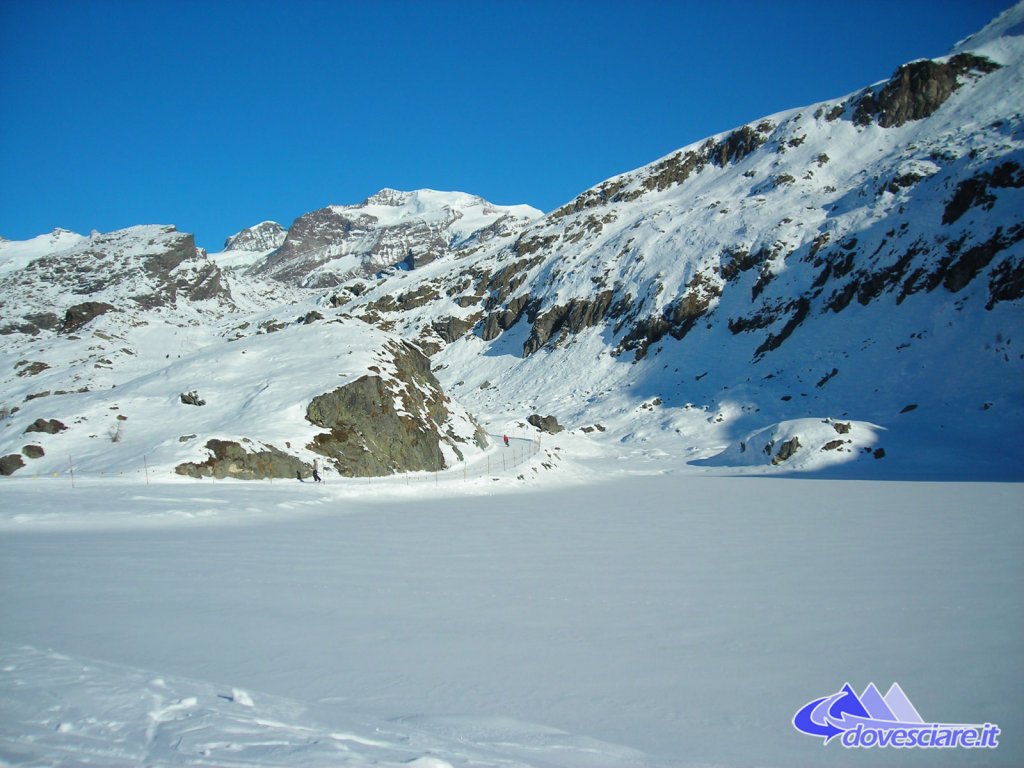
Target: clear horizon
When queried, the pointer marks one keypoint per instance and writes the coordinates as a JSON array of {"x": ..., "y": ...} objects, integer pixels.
[{"x": 217, "y": 116}]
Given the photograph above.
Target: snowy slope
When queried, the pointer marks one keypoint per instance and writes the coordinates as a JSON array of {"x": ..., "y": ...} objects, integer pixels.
[
  {"x": 842, "y": 279},
  {"x": 821, "y": 262}
]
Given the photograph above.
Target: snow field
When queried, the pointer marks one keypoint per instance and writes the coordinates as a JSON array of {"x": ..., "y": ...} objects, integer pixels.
[{"x": 662, "y": 619}]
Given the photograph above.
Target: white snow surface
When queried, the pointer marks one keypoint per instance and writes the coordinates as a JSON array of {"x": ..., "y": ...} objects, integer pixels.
[{"x": 616, "y": 610}]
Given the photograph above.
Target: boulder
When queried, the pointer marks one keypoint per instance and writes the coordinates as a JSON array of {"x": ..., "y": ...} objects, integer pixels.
[
  {"x": 381, "y": 424},
  {"x": 46, "y": 426},
  {"x": 230, "y": 459},
  {"x": 191, "y": 398},
  {"x": 547, "y": 424},
  {"x": 10, "y": 464},
  {"x": 786, "y": 450}
]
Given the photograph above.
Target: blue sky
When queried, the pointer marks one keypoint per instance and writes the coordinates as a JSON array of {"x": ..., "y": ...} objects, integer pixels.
[{"x": 217, "y": 115}]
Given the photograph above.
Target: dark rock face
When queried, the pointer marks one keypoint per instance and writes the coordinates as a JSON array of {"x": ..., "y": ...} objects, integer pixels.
[
  {"x": 786, "y": 450},
  {"x": 33, "y": 451},
  {"x": 677, "y": 319},
  {"x": 46, "y": 426},
  {"x": 191, "y": 398},
  {"x": 974, "y": 192},
  {"x": 10, "y": 464},
  {"x": 230, "y": 459},
  {"x": 381, "y": 425},
  {"x": 917, "y": 89},
  {"x": 673, "y": 170},
  {"x": 452, "y": 328},
  {"x": 81, "y": 314},
  {"x": 571, "y": 318},
  {"x": 547, "y": 424},
  {"x": 26, "y": 368}
]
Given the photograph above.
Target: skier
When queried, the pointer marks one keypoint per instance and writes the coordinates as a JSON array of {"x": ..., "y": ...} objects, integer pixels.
[
  {"x": 505, "y": 438},
  {"x": 316, "y": 475}
]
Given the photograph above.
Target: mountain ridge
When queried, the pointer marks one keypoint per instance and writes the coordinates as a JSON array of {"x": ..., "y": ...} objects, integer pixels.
[{"x": 782, "y": 296}]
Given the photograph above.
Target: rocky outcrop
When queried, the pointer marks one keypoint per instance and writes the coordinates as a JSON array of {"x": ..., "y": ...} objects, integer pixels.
[
  {"x": 325, "y": 247},
  {"x": 229, "y": 459},
  {"x": 547, "y": 424},
  {"x": 786, "y": 450},
  {"x": 191, "y": 398},
  {"x": 975, "y": 192},
  {"x": 46, "y": 426},
  {"x": 265, "y": 236},
  {"x": 568, "y": 319},
  {"x": 917, "y": 89},
  {"x": 381, "y": 424},
  {"x": 10, "y": 464},
  {"x": 81, "y": 314}
]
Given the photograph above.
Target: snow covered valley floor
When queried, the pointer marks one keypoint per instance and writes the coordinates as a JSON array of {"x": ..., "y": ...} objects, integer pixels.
[{"x": 664, "y": 619}]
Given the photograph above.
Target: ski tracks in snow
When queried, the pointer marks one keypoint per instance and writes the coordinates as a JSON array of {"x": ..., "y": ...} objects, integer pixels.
[{"x": 65, "y": 711}]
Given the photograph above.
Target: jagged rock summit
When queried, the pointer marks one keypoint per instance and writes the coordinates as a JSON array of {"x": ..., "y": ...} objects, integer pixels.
[
  {"x": 262, "y": 238},
  {"x": 325, "y": 247}
]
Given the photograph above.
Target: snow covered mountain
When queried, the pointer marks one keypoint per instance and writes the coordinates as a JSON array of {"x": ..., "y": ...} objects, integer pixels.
[
  {"x": 326, "y": 246},
  {"x": 137, "y": 344},
  {"x": 858, "y": 258},
  {"x": 839, "y": 284}
]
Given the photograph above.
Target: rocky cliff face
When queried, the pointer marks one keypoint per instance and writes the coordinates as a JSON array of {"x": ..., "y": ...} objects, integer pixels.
[
  {"x": 385, "y": 423},
  {"x": 136, "y": 269},
  {"x": 261, "y": 238},
  {"x": 325, "y": 247}
]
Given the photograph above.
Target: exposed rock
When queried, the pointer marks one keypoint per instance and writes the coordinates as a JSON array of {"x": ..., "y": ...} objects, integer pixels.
[
  {"x": 570, "y": 318},
  {"x": 191, "y": 398},
  {"x": 1006, "y": 283},
  {"x": 381, "y": 425},
  {"x": 46, "y": 426},
  {"x": 80, "y": 314},
  {"x": 786, "y": 450},
  {"x": 960, "y": 268},
  {"x": 833, "y": 445},
  {"x": 502, "y": 320},
  {"x": 843, "y": 428},
  {"x": 452, "y": 328},
  {"x": 975, "y": 191},
  {"x": 30, "y": 369},
  {"x": 10, "y": 464},
  {"x": 265, "y": 236},
  {"x": 917, "y": 89},
  {"x": 547, "y": 424},
  {"x": 230, "y": 459},
  {"x": 33, "y": 451},
  {"x": 677, "y": 319},
  {"x": 387, "y": 229},
  {"x": 800, "y": 308}
]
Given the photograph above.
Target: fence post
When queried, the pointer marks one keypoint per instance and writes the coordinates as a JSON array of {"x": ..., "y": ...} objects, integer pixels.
[
  {"x": 145, "y": 466},
  {"x": 71, "y": 468}
]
